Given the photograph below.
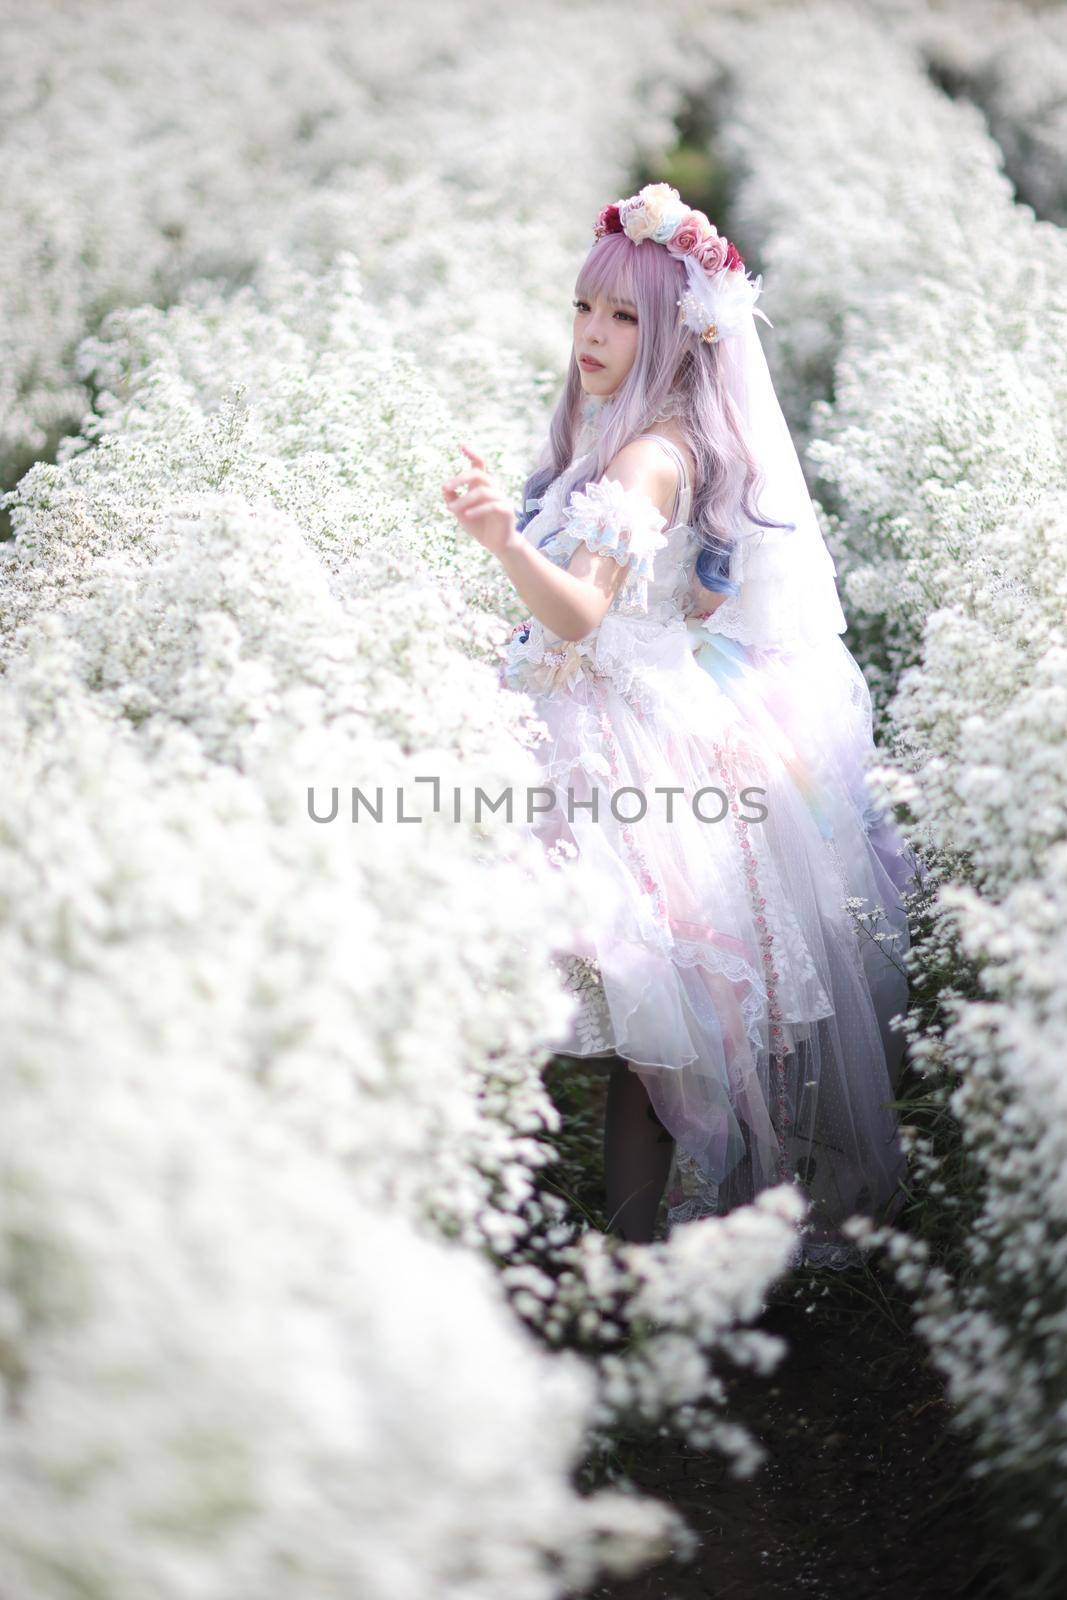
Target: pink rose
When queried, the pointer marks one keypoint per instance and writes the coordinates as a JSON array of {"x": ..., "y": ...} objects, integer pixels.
[
  {"x": 687, "y": 237},
  {"x": 713, "y": 253}
]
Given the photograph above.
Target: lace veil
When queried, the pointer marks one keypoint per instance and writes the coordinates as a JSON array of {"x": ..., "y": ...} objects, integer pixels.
[{"x": 788, "y": 594}]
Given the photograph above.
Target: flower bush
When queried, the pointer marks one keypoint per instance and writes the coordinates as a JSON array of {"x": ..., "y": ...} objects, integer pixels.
[
  {"x": 921, "y": 313},
  {"x": 274, "y": 1112},
  {"x": 1010, "y": 59},
  {"x": 149, "y": 146}
]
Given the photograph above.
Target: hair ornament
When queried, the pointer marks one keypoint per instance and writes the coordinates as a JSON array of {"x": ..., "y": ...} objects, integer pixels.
[{"x": 720, "y": 295}]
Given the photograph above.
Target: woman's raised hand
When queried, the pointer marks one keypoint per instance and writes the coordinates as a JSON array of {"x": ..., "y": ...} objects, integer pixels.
[{"x": 483, "y": 511}]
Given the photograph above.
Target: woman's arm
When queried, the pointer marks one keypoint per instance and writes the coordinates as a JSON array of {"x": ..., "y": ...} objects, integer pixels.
[{"x": 570, "y": 602}]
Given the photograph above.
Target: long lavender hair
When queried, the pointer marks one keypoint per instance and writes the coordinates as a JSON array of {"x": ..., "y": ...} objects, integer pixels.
[{"x": 670, "y": 362}]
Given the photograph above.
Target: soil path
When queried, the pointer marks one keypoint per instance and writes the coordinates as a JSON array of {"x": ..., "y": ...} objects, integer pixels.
[{"x": 862, "y": 1495}]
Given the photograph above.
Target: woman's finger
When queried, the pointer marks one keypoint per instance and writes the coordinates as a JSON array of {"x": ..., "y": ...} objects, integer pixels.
[
  {"x": 462, "y": 509},
  {"x": 474, "y": 456},
  {"x": 475, "y": 500},
  {"x": 477, "y": 476}
]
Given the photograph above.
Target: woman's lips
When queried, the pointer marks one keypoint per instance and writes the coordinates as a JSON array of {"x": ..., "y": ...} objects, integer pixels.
[{"x": 593, "y": 366}]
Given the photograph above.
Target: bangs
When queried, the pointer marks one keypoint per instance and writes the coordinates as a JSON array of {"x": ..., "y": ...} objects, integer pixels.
[{"x": 608, "y": 270}]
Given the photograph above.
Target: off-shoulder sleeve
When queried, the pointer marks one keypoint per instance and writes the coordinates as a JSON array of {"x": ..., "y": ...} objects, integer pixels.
[{"x": 619, "y": 522}]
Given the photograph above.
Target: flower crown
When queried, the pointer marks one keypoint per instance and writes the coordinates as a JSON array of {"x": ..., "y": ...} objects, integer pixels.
[{"x": 720, "y": 293}]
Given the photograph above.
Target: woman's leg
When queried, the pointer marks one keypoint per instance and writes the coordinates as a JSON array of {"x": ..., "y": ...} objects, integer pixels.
[{"x": 637, "y": 1156}]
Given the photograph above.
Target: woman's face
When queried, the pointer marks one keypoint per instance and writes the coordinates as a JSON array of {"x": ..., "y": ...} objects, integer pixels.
[{"x": 607, "y": 331}]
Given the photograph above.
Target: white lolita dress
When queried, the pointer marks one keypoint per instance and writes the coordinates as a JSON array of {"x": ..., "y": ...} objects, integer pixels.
[{"x": 711, "y": 949}]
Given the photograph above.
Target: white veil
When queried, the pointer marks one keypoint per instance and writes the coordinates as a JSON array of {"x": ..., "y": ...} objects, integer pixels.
[{"x": 788, "y": 595}]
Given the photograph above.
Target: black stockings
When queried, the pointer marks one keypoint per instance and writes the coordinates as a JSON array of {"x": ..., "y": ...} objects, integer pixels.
[{"x": 637, "y": 1156}]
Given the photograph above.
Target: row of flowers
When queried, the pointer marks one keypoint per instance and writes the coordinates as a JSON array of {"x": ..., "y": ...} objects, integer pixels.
[
  {"x": 178, "y": 144},
  {"x": 1010, "y": 58},
  {"x": 273, "y": 1110},
  {"x": 911, "y": 288}
]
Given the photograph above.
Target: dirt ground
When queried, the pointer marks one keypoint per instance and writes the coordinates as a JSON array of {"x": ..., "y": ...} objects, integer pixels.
[{"x": 863, "y": 1493}]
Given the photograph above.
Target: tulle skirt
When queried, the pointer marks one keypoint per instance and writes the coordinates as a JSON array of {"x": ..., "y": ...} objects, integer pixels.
[{"x": 739, "y": 932}]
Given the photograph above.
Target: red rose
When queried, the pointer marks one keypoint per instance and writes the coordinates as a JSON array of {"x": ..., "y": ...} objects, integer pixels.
[
  {"x": 608, "y": 222},
  {"x": 733, "y": 259}
]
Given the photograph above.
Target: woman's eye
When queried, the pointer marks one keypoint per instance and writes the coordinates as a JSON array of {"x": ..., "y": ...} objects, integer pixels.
[{"x": 581, "y": 305}]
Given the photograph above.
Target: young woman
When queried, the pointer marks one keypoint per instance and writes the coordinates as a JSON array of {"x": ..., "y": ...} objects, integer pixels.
[{"x": 708, "y": 732}]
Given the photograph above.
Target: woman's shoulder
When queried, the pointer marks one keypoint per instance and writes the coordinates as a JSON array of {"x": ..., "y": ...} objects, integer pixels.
[
  {"x": 669, "y": 428},
  {"x": 643, "y": 465}
]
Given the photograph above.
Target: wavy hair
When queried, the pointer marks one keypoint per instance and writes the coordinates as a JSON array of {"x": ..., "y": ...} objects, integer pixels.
[{"x": 670, "y": 364}]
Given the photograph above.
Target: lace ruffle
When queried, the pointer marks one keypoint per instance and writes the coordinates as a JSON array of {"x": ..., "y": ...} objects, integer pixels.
[
  {"x": 675, "y": 405},
  {"x": 625, "y": 649},
  {"x": 624, "y": 523},
  {"x": 788, "y": 597},
  {"x": 622, "y": 649},
  {"x": 591, "y": 1031}
]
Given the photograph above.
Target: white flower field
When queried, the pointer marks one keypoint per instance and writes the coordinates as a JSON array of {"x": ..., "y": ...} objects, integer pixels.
[{"x": 287, "y": 1306}]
